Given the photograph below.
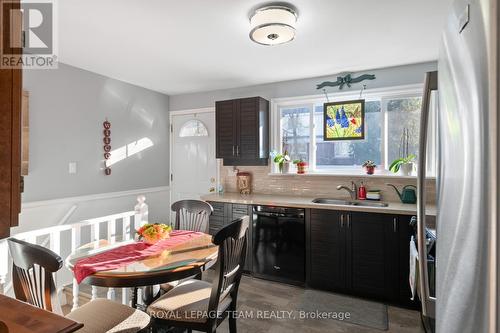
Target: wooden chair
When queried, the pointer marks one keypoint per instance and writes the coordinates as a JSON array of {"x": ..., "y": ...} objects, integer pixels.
[
  {"x": 32, "y": 278},
  {"x": 192, "y": 215},
  {"x": 178, "y": 307}
]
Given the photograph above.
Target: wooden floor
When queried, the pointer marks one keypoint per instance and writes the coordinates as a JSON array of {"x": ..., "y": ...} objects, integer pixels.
[{"x": 256, "y": 294}]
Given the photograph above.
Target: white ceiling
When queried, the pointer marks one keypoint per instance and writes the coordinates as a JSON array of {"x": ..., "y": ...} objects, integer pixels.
[{"x": 182, "y": 46}]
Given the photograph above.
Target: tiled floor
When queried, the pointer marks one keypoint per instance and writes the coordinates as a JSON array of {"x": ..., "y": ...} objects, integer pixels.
[
  {"x": 260, "y": 295},
  {"x": 256, "y": 294}
]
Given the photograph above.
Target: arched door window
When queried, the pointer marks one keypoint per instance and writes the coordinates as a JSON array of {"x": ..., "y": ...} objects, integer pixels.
[{"x": 193, "y": 127}]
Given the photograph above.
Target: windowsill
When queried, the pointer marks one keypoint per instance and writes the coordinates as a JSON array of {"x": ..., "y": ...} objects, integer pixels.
[{"x": 346, "y": 174}]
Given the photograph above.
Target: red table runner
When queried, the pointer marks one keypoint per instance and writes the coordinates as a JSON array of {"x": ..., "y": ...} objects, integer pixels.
[{"x": 126, "y": 254}]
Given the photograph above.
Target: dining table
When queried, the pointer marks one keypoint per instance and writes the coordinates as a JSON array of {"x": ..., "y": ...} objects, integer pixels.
[
  {"x": 181, "y": 261},
  {"x": 20, "y": 317}
]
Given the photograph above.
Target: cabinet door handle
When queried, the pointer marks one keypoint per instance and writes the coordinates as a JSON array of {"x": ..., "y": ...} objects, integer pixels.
[
  {"x": 348, "y": 220},
  {"x": 237, "y": 150},
  {"x": 395, "y": 224},
  {"x": 233, "y": 150},
  {"x": 341, "y": 220}
]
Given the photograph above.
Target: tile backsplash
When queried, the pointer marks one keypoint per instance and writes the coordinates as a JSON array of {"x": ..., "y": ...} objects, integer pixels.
[{"x": 317, "y": 185}]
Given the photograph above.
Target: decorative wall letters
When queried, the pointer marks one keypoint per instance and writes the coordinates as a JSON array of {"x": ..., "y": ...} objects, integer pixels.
[{"x": 107, "y": 145}]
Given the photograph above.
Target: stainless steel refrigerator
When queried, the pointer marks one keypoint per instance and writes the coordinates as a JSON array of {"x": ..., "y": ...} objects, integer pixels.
[{"x": 466, "y": 86}]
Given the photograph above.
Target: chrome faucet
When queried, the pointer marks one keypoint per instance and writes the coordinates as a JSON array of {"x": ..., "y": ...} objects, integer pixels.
[{"x": 353, "y": 191}]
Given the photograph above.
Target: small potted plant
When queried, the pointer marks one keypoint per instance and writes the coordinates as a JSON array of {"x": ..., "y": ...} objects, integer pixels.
[
  {"x": 282, "y": 160},
  {"x": 404, "y": 164},
  {"x": 369, "y": 167},
  {"x": 301, "y": 166},
  {"x": 153, "y": 232}
]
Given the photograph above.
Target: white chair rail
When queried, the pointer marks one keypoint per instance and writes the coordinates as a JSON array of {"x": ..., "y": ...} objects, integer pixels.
[{"x": 65, "y": 239}]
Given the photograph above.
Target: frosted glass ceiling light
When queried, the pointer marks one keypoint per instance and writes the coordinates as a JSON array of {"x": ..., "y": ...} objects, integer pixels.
[{"x": 273, "y": 25}]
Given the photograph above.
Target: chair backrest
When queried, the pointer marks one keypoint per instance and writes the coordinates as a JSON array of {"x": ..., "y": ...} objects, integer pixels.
[
  {"x": 32, "y": 270},
  {"x": 192, "y": 215},
  {"x": 232, "y": 241}
]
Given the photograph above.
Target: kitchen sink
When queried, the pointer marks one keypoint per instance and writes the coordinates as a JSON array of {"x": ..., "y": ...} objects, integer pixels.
[
  {"x": 327, "y": 201},
  {"x": 369, "y": 204},
  {"x": 332, "y": 201}
]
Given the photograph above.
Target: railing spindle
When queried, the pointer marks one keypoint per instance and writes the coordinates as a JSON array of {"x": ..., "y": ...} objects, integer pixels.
[
  {"x": 55, "y": 242},
  {"x": 55, "y": 246},
  {"x": 111, "y": 294},
  {"x": 97, "y": 231},
  {"x": 126, "y": 228},
  {"x": 112, "y": 231},
  {"x": 75, "y": 243},
  {"x": 94, "y": 293},
  {"x": 125, "y": 296}
]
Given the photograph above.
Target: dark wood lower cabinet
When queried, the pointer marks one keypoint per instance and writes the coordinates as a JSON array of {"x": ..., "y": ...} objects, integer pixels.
[
  {"x": 373, "y": 255},
  {"x": 223, "y": 214},
  {"x": 357, "y": 253},
  {"x": 327, "y": 251}
]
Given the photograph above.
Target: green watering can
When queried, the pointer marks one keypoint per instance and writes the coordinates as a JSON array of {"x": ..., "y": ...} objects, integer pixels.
[{"x": 407, "y": 195}]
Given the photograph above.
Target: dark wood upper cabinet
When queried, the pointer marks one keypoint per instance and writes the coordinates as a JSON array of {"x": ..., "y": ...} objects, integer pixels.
[
  {"x": 225, "y": 128},
  {"x": 242, "y": 131}
]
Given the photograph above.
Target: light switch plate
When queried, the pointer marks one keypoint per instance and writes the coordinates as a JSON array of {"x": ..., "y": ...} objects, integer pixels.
[{"x": 72, "y": 168}]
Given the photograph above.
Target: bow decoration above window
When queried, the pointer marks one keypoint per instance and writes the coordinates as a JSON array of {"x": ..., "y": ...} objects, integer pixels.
[{"x": 345, "y": 80}]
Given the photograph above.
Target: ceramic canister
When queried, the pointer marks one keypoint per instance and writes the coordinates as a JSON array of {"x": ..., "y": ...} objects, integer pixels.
[{"x": 244, "y": 182}]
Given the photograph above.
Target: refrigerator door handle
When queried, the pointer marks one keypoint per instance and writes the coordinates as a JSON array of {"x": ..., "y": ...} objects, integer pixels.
[{"x": 428, "y": 303}]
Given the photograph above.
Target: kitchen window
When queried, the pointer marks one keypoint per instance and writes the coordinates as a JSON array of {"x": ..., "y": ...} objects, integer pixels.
[{"x": 299, "y": 130}]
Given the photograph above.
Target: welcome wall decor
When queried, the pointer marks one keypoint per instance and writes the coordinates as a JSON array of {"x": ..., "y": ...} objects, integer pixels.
[{"x": 107, "y": 145}]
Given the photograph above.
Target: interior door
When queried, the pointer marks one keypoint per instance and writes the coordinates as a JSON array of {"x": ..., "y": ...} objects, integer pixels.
[{"x": 192, "y": 157}]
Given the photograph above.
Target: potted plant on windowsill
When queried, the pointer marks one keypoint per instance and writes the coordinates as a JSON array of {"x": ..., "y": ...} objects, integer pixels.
[
  {"x": 404, "y": 164},
  {"x": 301, "y": 166},
  {"x": 282, "y": 160},
  {"x": 369, "y": 166}
]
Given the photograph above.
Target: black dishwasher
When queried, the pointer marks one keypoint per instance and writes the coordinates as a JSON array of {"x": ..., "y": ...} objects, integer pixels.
[{"x": 278, "y": 244}]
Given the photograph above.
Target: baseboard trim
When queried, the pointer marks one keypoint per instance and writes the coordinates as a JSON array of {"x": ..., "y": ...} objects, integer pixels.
[{"x": 92, "y": 197}]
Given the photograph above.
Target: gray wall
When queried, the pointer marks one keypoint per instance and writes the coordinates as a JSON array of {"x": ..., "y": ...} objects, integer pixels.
[
  {"x": 67, "y": 108},
  {"x": 386, "y": 77}
]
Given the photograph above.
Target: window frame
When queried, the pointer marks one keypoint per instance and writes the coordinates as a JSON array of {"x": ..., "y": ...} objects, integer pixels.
[{"x": 382, "y": 94}]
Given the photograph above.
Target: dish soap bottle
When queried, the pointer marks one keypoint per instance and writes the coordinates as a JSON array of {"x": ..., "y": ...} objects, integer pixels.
[{"x": 362, "y": 192}]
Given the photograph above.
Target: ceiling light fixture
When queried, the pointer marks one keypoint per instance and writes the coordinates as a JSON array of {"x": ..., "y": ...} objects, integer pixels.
[{"x": 273, "y": 25}]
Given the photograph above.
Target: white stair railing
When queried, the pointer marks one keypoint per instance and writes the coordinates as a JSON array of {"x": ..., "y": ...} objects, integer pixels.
[{"x": 56, "y": 236}]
